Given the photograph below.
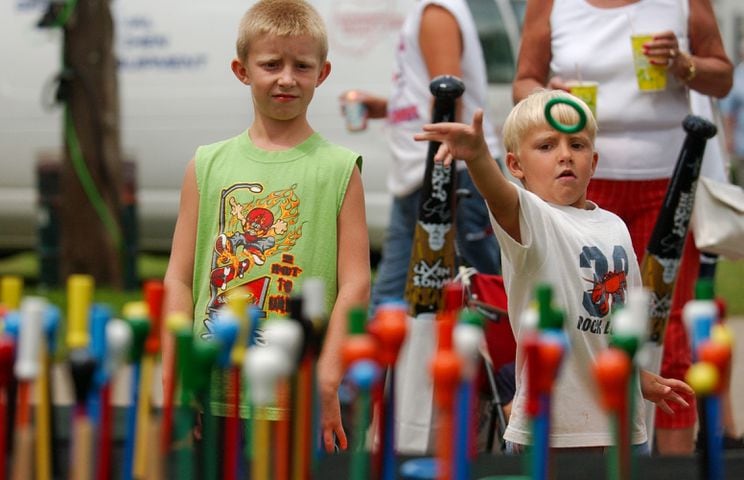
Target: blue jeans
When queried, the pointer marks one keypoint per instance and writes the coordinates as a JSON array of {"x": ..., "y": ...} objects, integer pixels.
[{"x": 475, "y": 242}]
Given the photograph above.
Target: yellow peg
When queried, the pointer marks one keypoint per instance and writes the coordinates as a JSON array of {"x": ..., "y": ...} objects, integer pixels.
[
  {"x": 703, "y": 377},
  {"x": 238, "y": 301},
  {"x": 79, "y": 297},
  {"x": 11, "y": 290}
]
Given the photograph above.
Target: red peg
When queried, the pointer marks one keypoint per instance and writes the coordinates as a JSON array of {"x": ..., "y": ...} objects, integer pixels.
[
  {"x": 390, "y": 328},
  {"x": 7, "y": 357},
  {"x": 153, "y": 293},
  {"x": 454, "y": 296},
  {"x": 444, "y": 333},
  {"x": 550, "y": 354},
  {"x": 445, "y": 371},
  {"x": 612, "y": 370},
  {"x": 358, "y": 347},
  {"x": 532, "y": 358}
]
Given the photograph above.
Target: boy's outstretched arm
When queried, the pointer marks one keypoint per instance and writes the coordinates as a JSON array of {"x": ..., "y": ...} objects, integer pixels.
[
  {"x": 466, "y": 142},
  {"x": 353, "y": 290},
  {"x": 660, "y": 390},
  {"x": 179, "y": 275}
]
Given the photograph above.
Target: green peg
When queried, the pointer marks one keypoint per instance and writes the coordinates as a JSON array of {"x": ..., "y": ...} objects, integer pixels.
[
  {"x": 357, "y": 321},
  {"x": 204, "y": 355},
  {"x": 544, "y": 296},
  {"x": 627, "y": 343},
  {"x": 704, "y": 289},
  {"x": 470, "y": 317},
  {"x": 137, "y": 316},
  {"x": 184, "y": 362}
]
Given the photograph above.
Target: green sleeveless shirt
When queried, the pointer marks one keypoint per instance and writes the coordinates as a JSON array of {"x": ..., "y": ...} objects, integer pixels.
[{"x": 267, "y": 221}]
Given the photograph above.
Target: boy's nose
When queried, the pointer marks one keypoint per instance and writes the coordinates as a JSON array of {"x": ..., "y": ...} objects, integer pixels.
[
  {"x": 564, "y": 153},
  {"x": 286, "y": 78}
]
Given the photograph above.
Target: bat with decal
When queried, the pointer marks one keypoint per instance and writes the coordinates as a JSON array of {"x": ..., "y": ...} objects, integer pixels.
[
  {"x": 433, "y": 254},
  {"x": 660, "y": 264}
]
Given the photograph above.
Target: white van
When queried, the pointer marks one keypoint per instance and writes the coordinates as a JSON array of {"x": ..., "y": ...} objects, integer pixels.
[{"x": 177, "y": 92}]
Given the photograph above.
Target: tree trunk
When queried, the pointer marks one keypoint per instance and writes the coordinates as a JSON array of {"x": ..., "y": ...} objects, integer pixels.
[{"x": 91, "y": 178}]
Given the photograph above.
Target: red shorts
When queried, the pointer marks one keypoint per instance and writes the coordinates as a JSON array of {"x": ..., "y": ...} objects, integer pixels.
[{"x": 638, "y": 203}]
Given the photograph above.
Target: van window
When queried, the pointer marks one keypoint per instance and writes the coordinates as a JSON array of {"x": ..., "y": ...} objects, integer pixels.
[{"x": 498, "y": 24}]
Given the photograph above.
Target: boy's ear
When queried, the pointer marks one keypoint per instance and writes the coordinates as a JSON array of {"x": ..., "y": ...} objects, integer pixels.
[
  {"x": 514, "y": 166},
  {"x": 325, "y": 70},
  {"x": 595, "y": 159},
  {"x": 240, "y": 72}
]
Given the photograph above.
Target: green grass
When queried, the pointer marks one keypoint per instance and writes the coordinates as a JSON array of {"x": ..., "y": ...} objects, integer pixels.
[{"x": 730, "y": 285}]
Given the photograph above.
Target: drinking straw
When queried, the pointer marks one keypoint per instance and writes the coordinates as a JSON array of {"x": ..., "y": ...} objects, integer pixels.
[{"x": 204, "y": 355}]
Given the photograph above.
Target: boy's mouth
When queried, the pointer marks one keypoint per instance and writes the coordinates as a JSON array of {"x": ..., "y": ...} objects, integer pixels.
[{"x": 567, "y": 173}]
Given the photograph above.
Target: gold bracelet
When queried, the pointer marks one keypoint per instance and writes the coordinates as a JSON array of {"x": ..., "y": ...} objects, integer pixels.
[{"x": 691, "y": 69}]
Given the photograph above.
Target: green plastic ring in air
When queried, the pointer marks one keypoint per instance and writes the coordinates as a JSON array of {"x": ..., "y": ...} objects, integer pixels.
[{"x": 563, "y": 128}]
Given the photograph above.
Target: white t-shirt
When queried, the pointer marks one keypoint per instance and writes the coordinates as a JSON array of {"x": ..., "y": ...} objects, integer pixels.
[
  {"x": 640, "y": 133},
  {"x": 409, "y": 105},
  {"x": 575, "y": 251}
]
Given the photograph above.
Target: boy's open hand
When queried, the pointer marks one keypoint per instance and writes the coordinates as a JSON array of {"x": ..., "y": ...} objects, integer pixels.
[
  {"x": 459, "y": 141},
  {"x": 660, "y": 390}
]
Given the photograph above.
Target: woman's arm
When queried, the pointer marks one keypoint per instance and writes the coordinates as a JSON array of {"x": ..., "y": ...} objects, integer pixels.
[
  {"x": 713, "y": 69},
  {"x": 533, "y": 62}
]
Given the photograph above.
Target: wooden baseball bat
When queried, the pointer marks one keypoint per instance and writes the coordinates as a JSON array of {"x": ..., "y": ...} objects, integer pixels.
[
  {"x": 433, "y": 253},
  {"x": 660, "y": 264}
]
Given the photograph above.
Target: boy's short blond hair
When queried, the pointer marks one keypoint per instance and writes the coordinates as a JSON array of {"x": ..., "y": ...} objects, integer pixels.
[
  {"x": 530, "y": 113},
  {"x": 282, "y": 18}
]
